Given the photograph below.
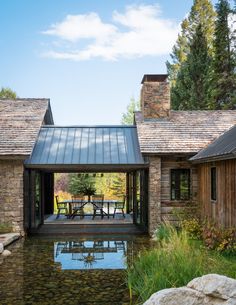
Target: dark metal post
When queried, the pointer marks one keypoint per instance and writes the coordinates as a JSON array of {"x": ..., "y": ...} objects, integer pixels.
[
  {"x": 26, "y": 199},
  {"x": 32, "y": 199},
  {"x": 135, "y": 210},
  {"x": 127, "y": 193}
]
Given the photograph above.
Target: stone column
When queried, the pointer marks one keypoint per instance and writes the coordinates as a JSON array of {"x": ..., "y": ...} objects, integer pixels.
[
  {"x": 155, "y": 97},
  {"x": 154, "y": 204},
  {"x": 11, "y": 194}
]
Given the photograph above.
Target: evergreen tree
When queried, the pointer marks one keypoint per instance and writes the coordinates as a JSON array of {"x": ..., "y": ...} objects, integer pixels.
[
  {"x": 82, "y": 184},
  {"x": 223, "y": 81},
  {"x": 118, "y": 185},
  {"x": 202, "y": 12},
  {"x": 179, "y": 52},
  {"x": 128, "y": 117},
  {"x": 191, "y": 89}
]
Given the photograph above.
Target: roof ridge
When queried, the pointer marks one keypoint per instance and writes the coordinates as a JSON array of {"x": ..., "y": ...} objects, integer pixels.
[{"x": 25, "y": 99}]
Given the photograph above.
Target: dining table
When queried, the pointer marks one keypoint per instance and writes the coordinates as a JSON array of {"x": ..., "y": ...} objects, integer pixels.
[{"x": 106, "y": 203}]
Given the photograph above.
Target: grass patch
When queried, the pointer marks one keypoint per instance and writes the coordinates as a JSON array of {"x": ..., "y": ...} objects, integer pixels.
[
  {"x": 174, "y": 262},
  {"x": 5, "y": 228}
]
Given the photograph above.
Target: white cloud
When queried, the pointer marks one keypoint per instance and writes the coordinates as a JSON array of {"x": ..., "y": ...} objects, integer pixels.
[
  {"x": 139, "y": 31},
  {"x": 76, "y": 27}
]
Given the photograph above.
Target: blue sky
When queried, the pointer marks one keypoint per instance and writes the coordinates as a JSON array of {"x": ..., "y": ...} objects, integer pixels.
[{"x": 88, "y": 57}]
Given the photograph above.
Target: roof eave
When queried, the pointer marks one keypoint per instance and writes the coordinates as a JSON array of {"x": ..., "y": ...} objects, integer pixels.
[
  {"x": 14, "y": 157},
  {"x": 214, "y": 158},
  {"x": 87, "y": 167}
]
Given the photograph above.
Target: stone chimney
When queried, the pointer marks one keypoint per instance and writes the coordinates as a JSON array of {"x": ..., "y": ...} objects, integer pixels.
[{"x": 155, "y": 96}]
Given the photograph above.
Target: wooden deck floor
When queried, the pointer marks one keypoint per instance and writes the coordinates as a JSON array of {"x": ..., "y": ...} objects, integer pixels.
[
  {"x": 88, "y": 226},
  {"x": 87, "y": 220}
]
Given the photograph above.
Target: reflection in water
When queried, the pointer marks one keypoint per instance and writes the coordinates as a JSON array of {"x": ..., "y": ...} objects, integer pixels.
[
  {"x": 90, "y": 254},
  {"x": 46, "y": 271}
]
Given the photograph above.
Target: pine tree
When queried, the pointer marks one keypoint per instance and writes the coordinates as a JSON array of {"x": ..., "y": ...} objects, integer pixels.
[
  {"x": 179, "y": 52},
  {"x": 223, "y": 80},
  {"x": 82, "y": 184},
  {"x": 202, "y": 12},
  {"x": 191, "y": 89}
]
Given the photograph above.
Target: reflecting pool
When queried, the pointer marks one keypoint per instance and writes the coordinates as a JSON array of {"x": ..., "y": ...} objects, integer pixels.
[{"x": 69, "y": 270}]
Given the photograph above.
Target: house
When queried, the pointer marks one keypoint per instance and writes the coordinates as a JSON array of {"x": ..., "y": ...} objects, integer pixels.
[
  {"x": 168, "y": 139},
  {"x": 217, "y": 179},
  {"x": 154, "y": 154},
  {"x": 20, "y": 122}
]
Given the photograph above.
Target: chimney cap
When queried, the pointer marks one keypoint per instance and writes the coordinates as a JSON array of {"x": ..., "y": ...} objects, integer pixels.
[{"x": 154, "y": 78}]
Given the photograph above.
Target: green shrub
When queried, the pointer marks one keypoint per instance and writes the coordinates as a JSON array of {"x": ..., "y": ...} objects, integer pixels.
[
  {"x": 193, "y": 228},
  {"x": 5, "y": 228},
  {"x": 172, "y": 263},
  {"x": 163, "y": 232},
  {"x": 216, "y": 238}
]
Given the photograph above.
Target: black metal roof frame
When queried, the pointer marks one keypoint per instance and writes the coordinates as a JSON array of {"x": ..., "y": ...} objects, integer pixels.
[
  {"x": 87, "y": 148},
  {"x": 223, "y": 148}
]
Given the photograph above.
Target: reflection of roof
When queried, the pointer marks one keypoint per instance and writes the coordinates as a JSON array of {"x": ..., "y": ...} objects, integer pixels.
[
  {"x": 86, "y": 145},
  {"x": 182, "y": 131},
  {"x": 223, "y": 147},
  {"x": 20, "y": 121}
]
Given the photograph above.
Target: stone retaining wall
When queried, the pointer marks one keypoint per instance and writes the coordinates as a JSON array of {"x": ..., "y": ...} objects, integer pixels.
[{"x": 11, "y": 193}]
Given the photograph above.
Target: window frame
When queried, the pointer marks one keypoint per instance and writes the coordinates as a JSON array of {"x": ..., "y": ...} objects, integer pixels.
[
  {"x": 213, "y": 183},
  {"x": 177, "y": 181}
]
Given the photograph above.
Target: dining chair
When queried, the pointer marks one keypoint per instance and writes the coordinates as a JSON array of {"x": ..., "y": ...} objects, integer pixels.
[
  {"x": 77, "y": 206},
  {"x": 61, "y": 206},
  {"x": 120, "y": 205},
  {"x": 98, "y": 201}
]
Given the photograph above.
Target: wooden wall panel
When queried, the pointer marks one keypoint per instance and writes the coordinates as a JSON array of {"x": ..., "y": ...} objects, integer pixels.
[
  {"x": 223, "y": 210},
  {"x": 168, "y": 205}
]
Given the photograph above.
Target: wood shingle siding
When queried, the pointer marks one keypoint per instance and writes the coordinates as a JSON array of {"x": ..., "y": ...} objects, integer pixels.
[{"x": 223, "y": 209}]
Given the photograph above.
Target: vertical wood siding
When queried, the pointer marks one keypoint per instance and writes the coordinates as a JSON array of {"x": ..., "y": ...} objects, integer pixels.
[{"x": 223, "y": 210}]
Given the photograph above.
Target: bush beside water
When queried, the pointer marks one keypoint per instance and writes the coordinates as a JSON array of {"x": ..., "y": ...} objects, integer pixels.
[
  {"x": 174, "y": 261},
  {"x": 5, "y": 228}
]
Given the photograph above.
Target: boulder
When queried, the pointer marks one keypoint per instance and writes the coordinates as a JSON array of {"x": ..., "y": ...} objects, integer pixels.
[
  {"x": 215, "y": 285},
  {"x": 176, "y": 296},
  {"x": 210, "y": 289},
  {"x": 6, "y": 253},
  {"x": 1, "y": 248}
]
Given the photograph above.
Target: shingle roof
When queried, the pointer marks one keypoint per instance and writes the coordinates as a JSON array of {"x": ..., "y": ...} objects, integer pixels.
[
  {"x": 183, "y": 131},
  {"x": 223, "y": 147},
  {"x": 86, "y": 145},
  {"x": 20, "y": 121}
]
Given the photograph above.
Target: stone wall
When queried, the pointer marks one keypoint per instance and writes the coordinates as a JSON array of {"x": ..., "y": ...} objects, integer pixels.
[
  {"x": 154, "y": 207},
  {"x": 210, "y": 289},
  {"x": 155, "y": 100},
  {"x": 161, "y": 206},
  {"x": 11, "y": 193}
]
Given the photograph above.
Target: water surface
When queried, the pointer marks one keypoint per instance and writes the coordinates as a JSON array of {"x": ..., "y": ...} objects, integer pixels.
[{"x": 68, "y": 270}]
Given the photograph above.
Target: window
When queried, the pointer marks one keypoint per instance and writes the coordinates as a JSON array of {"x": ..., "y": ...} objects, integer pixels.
[
  {"x": 180, "y": 184},
  {"x": 213, "y": 183}
]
